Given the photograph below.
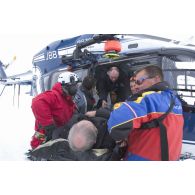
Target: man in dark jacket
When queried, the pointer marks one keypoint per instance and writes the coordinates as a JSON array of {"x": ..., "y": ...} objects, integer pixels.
[
  {"x": 114, "y": 81},
  {"x": 84, "y": 97},
  {"x": 91, "y": 128},
  {"x": 53, "y": 109}
]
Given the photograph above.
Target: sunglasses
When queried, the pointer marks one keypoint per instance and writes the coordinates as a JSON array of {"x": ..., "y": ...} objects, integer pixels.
[{"x": 141, "y": 80}]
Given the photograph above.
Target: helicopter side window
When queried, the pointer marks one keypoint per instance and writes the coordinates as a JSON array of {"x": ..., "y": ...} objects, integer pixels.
[
  {"x": 183, "y": 76},
  {"x": 52, "y": 78},
  {"x": 169, "y": 70},
  {"x": 81, "y": 73},
  {"x": 186, "y": 81},
  {"x": 45, "y": 85}
]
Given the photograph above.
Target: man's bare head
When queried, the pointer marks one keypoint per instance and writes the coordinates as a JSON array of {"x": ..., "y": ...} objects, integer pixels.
[
  {"x": 82, "y": 136},
  {"x": 113, "y": 73}
]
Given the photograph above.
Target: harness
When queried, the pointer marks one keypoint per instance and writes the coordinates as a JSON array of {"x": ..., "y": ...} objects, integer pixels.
[{"x": 163, "y": 131}]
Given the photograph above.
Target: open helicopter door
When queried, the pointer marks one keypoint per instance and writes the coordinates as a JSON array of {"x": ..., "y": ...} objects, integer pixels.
[{"x": 179, "y": 70}]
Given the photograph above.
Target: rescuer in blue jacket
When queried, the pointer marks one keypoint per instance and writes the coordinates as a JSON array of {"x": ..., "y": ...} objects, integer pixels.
[{"x": 151, "y": 120}]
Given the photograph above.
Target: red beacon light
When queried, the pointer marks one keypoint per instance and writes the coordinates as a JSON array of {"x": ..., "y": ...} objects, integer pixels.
[{"x": 112, "y": 48}]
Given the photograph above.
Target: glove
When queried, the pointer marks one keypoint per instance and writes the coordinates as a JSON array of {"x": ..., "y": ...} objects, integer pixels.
[
  {"x": 49, "y": 131},
  {"x": 119, "y": 150},
  {"x": 37, "y": 139}
]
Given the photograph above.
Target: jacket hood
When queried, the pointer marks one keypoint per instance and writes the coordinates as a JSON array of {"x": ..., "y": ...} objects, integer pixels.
[
  {"x": 58, "y": 87},
  {"x": 161, "y": 86}
]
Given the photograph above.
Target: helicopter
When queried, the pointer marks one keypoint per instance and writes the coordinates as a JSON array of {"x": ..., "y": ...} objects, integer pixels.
[{"x": 86, "y": 54}]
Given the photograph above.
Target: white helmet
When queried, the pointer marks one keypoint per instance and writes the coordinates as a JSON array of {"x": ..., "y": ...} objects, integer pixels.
[{"x": 68, "y": 77}]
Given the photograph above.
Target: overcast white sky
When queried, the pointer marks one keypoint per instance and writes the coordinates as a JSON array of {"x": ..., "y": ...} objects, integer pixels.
[{"x": 28, "y": 26}]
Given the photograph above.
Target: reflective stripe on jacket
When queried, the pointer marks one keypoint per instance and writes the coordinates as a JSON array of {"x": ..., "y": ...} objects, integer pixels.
[{"x": 125, "y": 122}]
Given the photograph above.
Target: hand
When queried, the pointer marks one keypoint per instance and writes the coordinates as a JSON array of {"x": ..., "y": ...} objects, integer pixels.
[
  {"x": 40, "y": 136},
  {"x": 122, "y": 148},
  {"x": 49, "y": 131},
  {"x": 37, "y": 139},
  {"x": 104, "y": 104},
  {"x": 48, "y": 134},
  {"x": 90, "y": 113},
  {"x": 119, "y": 150},
  {"x": 122, "y": 143}
]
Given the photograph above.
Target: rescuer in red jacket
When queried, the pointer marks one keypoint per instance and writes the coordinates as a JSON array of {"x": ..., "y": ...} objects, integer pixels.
[{"x": 54, "y": 108}]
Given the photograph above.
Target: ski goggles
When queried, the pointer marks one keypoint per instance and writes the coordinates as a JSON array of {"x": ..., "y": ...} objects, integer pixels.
[{"x": 141, "y": 80}]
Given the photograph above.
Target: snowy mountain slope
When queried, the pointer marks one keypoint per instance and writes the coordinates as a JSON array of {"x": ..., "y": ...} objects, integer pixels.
[{"x": 16, "y": 126}]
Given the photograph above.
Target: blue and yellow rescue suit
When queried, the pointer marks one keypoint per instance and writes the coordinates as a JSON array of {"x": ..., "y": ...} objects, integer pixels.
[{"x": 128, "y": 119}]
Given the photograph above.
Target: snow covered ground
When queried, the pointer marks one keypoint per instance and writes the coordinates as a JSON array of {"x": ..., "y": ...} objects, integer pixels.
[{"x": 16, "y": 124}]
